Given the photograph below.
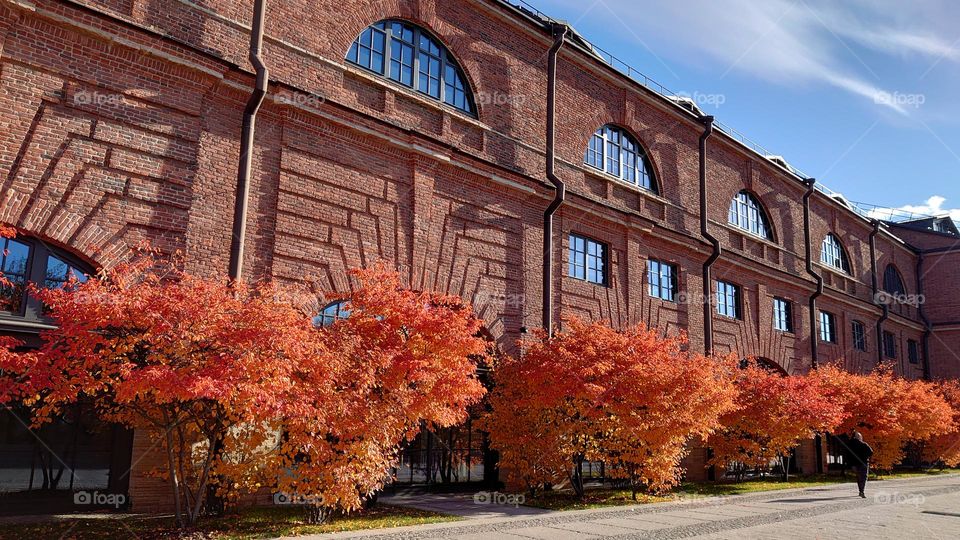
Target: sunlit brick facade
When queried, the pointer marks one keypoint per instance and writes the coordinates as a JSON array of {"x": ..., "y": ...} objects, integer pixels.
[{"x": 120, "y": 122}]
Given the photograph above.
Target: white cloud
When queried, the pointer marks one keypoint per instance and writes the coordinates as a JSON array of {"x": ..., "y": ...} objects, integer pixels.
[
  {"x": 931, "y": 207},
  {"x": 792, "y": 41}
]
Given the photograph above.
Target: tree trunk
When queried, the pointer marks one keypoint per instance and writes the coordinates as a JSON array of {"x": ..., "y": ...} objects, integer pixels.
[
  {"x": 317, "y": 515},
  {"x": 576, "y": 477},
  {"x": 174, "y": 480}
]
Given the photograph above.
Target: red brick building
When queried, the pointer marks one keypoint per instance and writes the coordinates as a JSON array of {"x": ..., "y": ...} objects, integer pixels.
[{"x": 423, "y": 143}]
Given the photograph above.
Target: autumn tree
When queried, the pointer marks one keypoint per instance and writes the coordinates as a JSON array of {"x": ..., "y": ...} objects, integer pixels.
[
  {"x": 774, "y": 413},
  {"x": 403, "y": 360},
  {"x": 890, "y": 411},
  {"x": 945, "y": 448},
  {"x": 631, "y": 399},
  {"x": 188, "y": 360}
]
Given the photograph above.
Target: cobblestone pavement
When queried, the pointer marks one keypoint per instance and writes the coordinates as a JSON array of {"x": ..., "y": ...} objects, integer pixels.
[{"x": 914, "y": 508}]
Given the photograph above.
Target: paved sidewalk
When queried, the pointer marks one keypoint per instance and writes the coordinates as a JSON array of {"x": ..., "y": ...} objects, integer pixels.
[{"x": 914, "y": 508}]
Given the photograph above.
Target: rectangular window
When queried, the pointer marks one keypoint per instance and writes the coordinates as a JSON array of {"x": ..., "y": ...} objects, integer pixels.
[
  {"x": 662, "y": 279},
  {"x": 728, "y": 300},
  {"x": 782, "y": 315},
  {"x": 889, "y": 345},
  {"x": 859, "y": 336},
  {"x": 14, "y": 257},
  {"x": 913, "y": 351},
  {"x": 828, "y": 327},
  {"x": 588, "y": 260}
]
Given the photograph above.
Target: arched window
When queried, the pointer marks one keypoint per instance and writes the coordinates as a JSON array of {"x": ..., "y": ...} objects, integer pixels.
[
  {"x": 617, "y": 153},
  {"x": 24, "y": 260},
  {"x": 833, "y": 255},
  {"x": 410, "y": 56},
  {"x": 893, "y": 282},
  {"x": 746, "y": 213},
  {"x": 336, "y": 311}
]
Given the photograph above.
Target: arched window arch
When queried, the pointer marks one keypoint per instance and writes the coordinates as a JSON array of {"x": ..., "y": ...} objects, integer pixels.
[
  {"x": 833, "y": 255},
  {"x": 409, "y": 55},
  {"x": 29, "y": 260},
  {"x": 335, "y": 311},
  {"x": 617, "y": 153},
  {"x": 893, "y": 281},
  {"x": 747, "y": 213}
]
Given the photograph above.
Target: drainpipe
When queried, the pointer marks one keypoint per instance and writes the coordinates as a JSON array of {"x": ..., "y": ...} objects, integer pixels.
[
  {"x": 876, "y": 290},
  {"x": 814, "y": 338},
  {"x": 927, "y": 325},
  {"x": 559, "y": 36},
  {"x": 246, "y": 141},
  {"x": 707, "y": 122}
]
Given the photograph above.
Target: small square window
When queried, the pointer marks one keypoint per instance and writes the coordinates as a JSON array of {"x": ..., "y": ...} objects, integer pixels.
[
  {"x": 889, "y": 345},
  {"x": 828, "y": 327},
  {"x": 913, "y": 351},
  {"x": 859, "y": 336},
  {"x": 728, "y": 300},
  {"x": 662, "y": 280},
  {"x": 588, "y": 260},
  {"x": 782, "y": 315}
]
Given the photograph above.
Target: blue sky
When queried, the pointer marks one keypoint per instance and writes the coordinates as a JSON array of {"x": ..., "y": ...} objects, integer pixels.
[{"x": 863, "y": 95}]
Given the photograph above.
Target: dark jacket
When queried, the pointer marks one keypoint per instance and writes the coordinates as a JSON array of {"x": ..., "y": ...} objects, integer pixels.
[{"x": 860, "y": 452}]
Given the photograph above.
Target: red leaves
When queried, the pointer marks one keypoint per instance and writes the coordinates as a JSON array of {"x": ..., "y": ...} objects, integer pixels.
[
  {"x": 774, "y": 413},
  {"x": 888, "y": 410},
  {"x": 217, "y": 373},
  {"x": 631, "y": 399},
  {"x": 402, "y": 359}
]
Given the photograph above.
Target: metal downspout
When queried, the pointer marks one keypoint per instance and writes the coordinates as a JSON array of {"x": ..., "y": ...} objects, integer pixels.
[
  {"x": 876, "y": 290},
  {"x": 559, "y": 37},
  {"x": 814, "y": 338},
  {"x": 927, "y": 325},
  {"x": 246, "y": 141},
  {"x": 707, "y": 122}
]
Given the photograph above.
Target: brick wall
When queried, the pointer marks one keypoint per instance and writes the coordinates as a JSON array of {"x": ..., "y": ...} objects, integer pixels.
[{"x": 120, "y": 119}]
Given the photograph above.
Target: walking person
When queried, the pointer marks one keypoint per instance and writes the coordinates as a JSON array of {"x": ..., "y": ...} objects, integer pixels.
[{"x": 860, "y": 452}]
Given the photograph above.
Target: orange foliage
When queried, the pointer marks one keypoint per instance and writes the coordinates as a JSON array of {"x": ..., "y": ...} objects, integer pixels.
[
  {"x": 631, "y": 399},
  {"x": 946, "y": 447},
  {"x": 403, "y": 360},
  {"x": 235, "y": 383},
  {"x": 775, "y": 412},
  {"x": 890, "y": 411}
]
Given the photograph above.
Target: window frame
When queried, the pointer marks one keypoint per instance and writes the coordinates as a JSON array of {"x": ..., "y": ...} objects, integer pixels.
[
  {"x": 338, "y": 315},
  {"x": 598, "y": 157},
  {"x": 784, "y": 315},
  {"x": 32, "y": 314},
  {"x": 858, "y": 332},
  {"x": 833, "y": 255},
  {"x": 737, "y": 303},
  {"x": 890, "y": 349},
  {"x": 443, "y": 55},
  {"x": 827, "y": 327},
  {"x": 673, "y": 277},
  {"x": 604, "y": 259},
  {"x": 892, "y": 272},
  {"x": 913, "y": 351},
  {"x": 746, "y": 207}
]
